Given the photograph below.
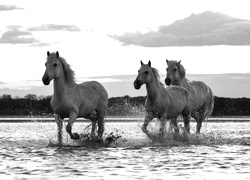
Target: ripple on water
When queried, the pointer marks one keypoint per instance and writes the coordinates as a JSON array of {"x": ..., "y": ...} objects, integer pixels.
[{"x": 217, "y": 153}]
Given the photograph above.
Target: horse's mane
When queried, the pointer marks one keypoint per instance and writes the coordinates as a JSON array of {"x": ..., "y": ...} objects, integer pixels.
[
  {"x": 157, "y": 75},
  {"x": 69, "y": 73},
  {"x": 182, "y": 70}
]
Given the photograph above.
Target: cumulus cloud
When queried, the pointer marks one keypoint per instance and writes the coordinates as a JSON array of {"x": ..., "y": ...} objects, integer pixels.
[
  {"x": 55, "y": 27},
  {"x": 9, "y": 8},
  {"x": 203, "y": 29},
  {"x": 16, "y": 36}
]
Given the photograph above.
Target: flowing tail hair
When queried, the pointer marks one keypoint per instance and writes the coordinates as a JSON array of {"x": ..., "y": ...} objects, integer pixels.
[{"x": 210, "y": 107}]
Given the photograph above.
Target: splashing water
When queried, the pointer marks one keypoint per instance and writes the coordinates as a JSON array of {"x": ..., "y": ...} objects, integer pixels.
[
  {"x": 110, "y": 139},
  {"x": 113, "y": 137},
  {"x": 222, "y": 151}
]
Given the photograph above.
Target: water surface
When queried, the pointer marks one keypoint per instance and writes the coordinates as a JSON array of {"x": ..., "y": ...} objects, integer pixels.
[{"x": 29, "y": 151}]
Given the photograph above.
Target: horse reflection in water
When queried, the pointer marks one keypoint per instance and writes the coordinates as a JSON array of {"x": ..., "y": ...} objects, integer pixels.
[
  {"x": 202, "y": 99},
  {"x": 71, "y": 100},
  {"x": 162, "y": 103}
]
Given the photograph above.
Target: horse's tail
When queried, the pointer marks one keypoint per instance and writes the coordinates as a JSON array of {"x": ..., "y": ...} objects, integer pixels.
[{"x": 210, "y": 106}]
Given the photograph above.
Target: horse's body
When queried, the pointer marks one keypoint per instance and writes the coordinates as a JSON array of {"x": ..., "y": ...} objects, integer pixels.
[
  {"x": 202, "y": 99},
  {"x": 162, "y": 103},
  {"x": 72, "y": 100}
]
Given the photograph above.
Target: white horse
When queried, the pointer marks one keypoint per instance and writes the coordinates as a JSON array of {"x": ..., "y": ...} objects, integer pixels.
[
  {"x": 162, "y": 103},
  {"x": 71, "y": 100},
  {"x": 202, "y": 99}
]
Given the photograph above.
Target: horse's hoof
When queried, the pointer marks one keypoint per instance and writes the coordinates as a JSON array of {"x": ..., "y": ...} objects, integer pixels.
[{"x": 75, "y": 136}]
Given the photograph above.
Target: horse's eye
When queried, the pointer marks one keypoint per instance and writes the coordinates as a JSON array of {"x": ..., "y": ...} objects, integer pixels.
[
  {"x": 174, "y": 69},
  {"x": 55, "y": 65},
  {"x": 146, "y": 72}
]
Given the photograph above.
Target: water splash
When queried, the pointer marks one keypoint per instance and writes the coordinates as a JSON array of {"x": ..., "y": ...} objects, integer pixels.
[
  {"x": 117, "y": 136},
  {"x": 62, "y": 139}
]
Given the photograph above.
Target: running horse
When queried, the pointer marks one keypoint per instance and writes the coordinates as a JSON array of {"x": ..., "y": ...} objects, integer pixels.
[
  {"x": 71, "y": 100},
  {"x": 202, "y": 99},
  {"x": 162, "y": 103}
]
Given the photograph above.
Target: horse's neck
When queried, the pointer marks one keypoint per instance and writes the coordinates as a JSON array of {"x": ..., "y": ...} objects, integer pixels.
[
  {"x": 153, "y": 89},
  {"x": 61, "y": 87},
  {"x": 184, "y": 83}
]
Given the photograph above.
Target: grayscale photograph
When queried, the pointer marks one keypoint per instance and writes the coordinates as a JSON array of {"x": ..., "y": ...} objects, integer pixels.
[{"x": 115, "y": 89}]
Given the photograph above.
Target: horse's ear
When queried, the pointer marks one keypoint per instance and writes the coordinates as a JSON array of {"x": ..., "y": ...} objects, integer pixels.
[
  {"x": 48, "y": 53},
  {"x": 149, "y": 63},
  {"x": 57, "y": 54},
  {"x": 142, "y": 63},
  {"x": 167, "y": 61},
  {"x": 179, "y": 62}
]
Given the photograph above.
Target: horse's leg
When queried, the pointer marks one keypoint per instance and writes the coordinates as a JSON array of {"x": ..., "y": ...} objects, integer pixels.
[
  {"x": 93, "y": 128},
  {"x": 202, "y": 114},
  {"x": 163, "y": 121},
  {"x": 198, "y": 127},
  {"x": 59, "y": 123},
  {"x": 101, "y": 111},
  {"x": 199, "y": 116},
  {"x": 196, "y": 116},
  {"x": 174, "y": 123},
  {"x": 186, "y": 119},
  {"x": 72, "y": 119},
  {"x": 147, "y": 120}
]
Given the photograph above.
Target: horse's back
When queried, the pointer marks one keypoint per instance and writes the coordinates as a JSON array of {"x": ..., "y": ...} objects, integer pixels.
[
  {"x": 178, "y": 92},
  {"x": 200, "y": 92},
  {"x": 199, "y": 87},
  {"x": 93, "y": 89}
]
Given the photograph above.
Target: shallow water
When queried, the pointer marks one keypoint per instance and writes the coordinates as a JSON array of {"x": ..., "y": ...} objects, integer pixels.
[{"x": 29, "y": 151}]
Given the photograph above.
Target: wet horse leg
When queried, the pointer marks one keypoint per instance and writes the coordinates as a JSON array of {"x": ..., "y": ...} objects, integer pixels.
[
  {"x": 198, "y": 120},
  {"x": 147, "y": 120},
  {"x": 163, "y": 128},
  {"x": 199, "y": 117},
  {"x": 100, "y": 116},
  {"x": 186, "y": 119},
  {"x": 59, "y": 123},
  {"x": 175, "y": 125},
  {"x": 93, "y": 128},
  {"x": 72, "y": 119}
]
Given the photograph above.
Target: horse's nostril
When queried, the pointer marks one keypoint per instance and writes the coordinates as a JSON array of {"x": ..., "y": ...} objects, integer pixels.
[
  {"x": 167, "y": 81},
  {"x": 137, "y": 84},
  {"x": 46, "y": 80}
]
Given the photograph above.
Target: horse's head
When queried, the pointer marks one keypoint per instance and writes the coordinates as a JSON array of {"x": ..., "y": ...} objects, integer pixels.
[
  {"x": 175, "y": 72},
  {"x": 53, "y": 67},
  {"x": 144, "y": 75}
]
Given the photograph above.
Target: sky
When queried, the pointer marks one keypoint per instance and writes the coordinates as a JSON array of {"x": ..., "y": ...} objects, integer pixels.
[{"x": 90, "y": 36}]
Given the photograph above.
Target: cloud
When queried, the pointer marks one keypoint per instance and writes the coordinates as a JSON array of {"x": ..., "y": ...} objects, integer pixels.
[
  {"x": 40, "y": 44},
  {"x": 16, "y": 36},
  {"x": 9, "y": 8},
  {"x": 54, "y": 27},
  {"x": 203, "y": 29}
]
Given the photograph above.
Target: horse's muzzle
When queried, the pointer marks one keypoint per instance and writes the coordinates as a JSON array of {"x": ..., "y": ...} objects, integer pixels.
[
  {"x": 46, "y": 80},
  {"x": 137, "y": 84},
  {"x": 168, "y": 81}
]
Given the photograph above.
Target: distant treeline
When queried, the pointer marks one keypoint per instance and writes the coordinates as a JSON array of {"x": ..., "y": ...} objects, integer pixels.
[{"x": 31, "y": 105}]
